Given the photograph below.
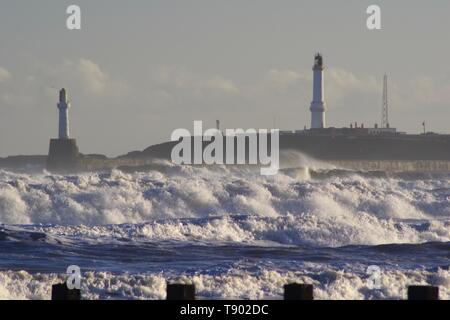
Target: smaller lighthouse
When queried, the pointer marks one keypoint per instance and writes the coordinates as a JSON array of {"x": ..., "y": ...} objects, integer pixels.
[
  {"x": 318, "y": 107},
  {"x": 63, "y": 107},
  {"x": 63, "y": 155}
]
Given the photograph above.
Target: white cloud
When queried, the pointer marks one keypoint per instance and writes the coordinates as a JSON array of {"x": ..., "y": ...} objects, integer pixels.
[
  {"x": 277, "y": 83},
  {"x": 221, "y": 84},
  {"x": 39, "y": 85},
  {"x": 4, "y": 74},
  {"x": 341, "y": 83},
  {"x": 338, "y": 82},
  {"x": 172, "y": 77},
  {"x": 420, "y": 93},
  {"x": 426, "y": 90},
  {"x": 282, "y": 78},
  {"x": 93, "y": 76},
  {"x": 89, "y": 75}
]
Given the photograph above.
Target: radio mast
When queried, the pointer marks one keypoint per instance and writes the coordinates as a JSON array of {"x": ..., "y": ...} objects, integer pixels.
[{"x": 385, "y": 114}]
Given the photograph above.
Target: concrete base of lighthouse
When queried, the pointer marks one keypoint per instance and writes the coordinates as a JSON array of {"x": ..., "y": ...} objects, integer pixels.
[
  {"x": 317, "y": 115},
  {"x": 63, "y": 155}
]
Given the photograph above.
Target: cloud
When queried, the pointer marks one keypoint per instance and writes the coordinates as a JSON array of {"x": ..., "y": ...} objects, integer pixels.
[
  {"x": 95, "y": 79},
  {"x": 90, "y": 76},
  {"x": 4, "y": 74},
  {"x": 341, "y": 83},
  {"x": 278, "y": 84},
  {"x": 284, "y": 78},
  {"x": 427, "y": 90},
  {"x": 86, "y": 81},
  {"x": 174, "y": 78},
  {"x": 221, "y": 84},
  {"x": 420, "y": 95}
]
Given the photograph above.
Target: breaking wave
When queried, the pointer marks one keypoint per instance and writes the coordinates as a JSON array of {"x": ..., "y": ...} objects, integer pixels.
[
  {"x": 236, "y": 284},
  {"x": 229, "y": 230},
  {"x": 326, "y": 207}
]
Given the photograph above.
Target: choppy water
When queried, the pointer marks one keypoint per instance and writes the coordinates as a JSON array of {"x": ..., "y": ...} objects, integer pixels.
[{"x": 232, "y": 232}]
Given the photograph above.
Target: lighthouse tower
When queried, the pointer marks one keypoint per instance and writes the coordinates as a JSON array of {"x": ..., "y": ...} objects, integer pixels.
[
  {"x": 63, "y": 155},
  {"x": 63, "y": 107},
  {"x": 318, "y": 104}
]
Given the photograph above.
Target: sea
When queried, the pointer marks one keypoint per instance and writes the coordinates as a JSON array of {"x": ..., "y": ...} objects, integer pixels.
[{"x": 233, "y": 233}]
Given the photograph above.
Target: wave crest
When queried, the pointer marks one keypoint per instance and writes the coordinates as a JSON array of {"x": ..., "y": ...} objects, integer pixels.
[{"x": 332, "y": 210}]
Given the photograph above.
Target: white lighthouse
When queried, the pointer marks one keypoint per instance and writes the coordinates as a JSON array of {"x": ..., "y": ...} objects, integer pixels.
[
  {"x": 318, "y": 104},
  {"x": 63, "y": 154},
  {"x": 63, "y": 106}
]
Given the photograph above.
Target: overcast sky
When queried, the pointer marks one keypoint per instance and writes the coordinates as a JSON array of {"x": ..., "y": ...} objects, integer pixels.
[{"x": 140, "y": 68}]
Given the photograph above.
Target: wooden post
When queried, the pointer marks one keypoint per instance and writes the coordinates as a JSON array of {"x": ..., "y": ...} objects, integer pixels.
[
  {"x": 296, "y": 291},
  {"x": 423, "y": 293},
  {"x": 61, "y": 292},
  {"x": 180, "y": 291}
]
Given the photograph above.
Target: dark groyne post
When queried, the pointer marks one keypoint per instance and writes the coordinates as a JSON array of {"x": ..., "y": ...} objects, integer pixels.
[
  {"x": 423, "y": 293},
  {"x": 180, "y": 292},
  {"x": 296, "y": 291},
  {"x": 61, "y": 292}
]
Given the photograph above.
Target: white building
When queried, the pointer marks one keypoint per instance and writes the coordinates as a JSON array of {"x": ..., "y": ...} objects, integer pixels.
[
  {"x": 63, "y": 107},
  {"x": 318, "y": 107}
]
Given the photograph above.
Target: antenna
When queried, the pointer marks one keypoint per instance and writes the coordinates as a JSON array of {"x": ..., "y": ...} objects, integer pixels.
[{"x": 385, "y": 114}]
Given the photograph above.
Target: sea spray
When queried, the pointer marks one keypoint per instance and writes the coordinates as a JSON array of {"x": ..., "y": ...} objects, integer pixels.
[
  {"x": 331, "y": 210},
  {"x": 229, "y": 230}
]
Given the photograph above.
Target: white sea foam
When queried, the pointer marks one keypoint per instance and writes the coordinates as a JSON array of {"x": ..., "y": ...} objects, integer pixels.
[
  {"x": 266, "y": 284},
  {"x": 307, "y": 229},
  {"x": 331, "y": 211}
]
